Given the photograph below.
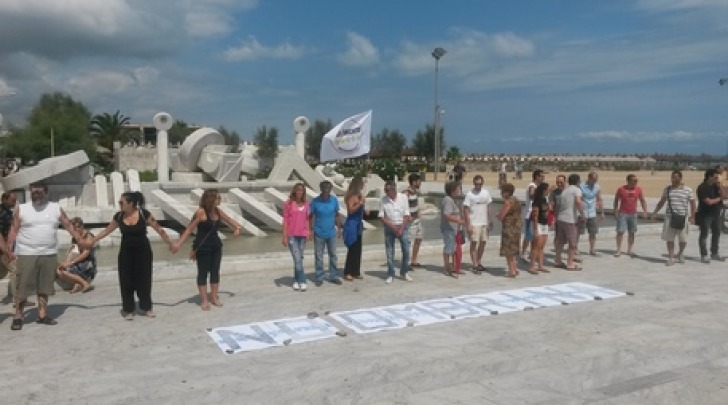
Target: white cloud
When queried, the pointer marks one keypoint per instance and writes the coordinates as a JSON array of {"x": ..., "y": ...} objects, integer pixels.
[
  {"x": 641, "y": 137},
  {"x": 251, "y": 49},
  {"x": 99, "y": 82},
  {"x": 468, "y": 52},
  {"x": 677, "y": 5},
  {"x": 360, "y": 51},
  {"x": 214, "y": 18}
]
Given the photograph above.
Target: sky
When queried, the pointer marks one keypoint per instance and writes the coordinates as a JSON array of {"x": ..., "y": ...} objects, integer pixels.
[{"x": 520, "y": 76}]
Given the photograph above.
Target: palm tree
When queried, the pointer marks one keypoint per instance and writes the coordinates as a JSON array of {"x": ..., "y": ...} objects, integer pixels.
[{"x": 109, "y": 128}]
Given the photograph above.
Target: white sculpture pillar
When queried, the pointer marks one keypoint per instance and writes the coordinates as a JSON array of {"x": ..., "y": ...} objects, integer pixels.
[
  {"x": 163, "y": 122},
  {"x": 301, "y": 125}
]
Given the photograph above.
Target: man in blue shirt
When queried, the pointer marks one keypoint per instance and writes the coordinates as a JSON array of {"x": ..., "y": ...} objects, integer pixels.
[
  {"x": 591, "y": 196},
  {"x": 326, "y": 227}
]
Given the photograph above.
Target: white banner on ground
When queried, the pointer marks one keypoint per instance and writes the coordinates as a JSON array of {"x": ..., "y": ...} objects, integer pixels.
[
  {"x": 370, "y": 320},
  {"x": 350, "y": 138},
  {"x": 262, "y": 335},
  {"x": 283, "y": 332}
]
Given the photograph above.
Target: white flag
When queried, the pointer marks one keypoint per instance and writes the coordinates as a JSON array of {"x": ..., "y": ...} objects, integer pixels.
[{"x": 352, "y": 137}]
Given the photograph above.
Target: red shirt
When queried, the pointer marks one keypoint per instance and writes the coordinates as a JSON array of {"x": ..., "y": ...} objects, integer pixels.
[{"x": 628, "y": 199}]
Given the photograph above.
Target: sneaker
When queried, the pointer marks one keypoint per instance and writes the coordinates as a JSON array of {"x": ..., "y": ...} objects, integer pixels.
[
  {"x": 302, "y": 287},
  {"x": 318, "y": 283},
  {"x": 388, "y": 280},
  {"x": 681, "y": 259},
  {"x": 336, "y": 281},
  {"x": 407, "y": 277},
  {"x": 705, "y": 259},
  {"x": 296, "y": 286},
  {"x": 717, "y": 258}
]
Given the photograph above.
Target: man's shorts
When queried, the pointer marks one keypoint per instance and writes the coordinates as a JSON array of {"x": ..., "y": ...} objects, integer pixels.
[
  {"x": 591, "y": 225},
  {"x": 36, "y": 275},
  {"x": 415, "y": 230},
  {"x": 448, "y": 240},
  {"x": 528, "y": 230},
  {"x": 627, "y": 223},
  {"x": 566, "y": 233},
  {"x": 480, "y": 233},
  {"x": 669, "y": 233}
]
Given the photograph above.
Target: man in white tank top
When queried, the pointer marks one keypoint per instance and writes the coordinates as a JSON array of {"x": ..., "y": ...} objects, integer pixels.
[{"x": 36, "y": 247}]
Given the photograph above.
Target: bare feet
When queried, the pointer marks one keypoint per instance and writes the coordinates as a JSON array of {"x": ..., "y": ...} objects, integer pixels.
[
  {"x": 76, "y": 288},
  {"x": 216, "y": 302},
  {"x": 150, "y": 314},
  {"x": 205, "y": 306}
]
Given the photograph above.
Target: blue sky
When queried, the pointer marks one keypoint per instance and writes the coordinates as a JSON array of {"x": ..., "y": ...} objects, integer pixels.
[{"x": 519, "y": 76}]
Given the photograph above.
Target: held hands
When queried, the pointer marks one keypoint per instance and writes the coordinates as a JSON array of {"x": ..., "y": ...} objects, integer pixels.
[{"x": 174, "y": 247}]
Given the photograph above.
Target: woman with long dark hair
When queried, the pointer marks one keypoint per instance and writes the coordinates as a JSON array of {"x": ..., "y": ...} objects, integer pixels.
[
  {"x": 540, "y": 224},
  {"x": 296, "y": 225},
  {"x": 135, "y": 252},
  {"x": 207, "y": 246}
]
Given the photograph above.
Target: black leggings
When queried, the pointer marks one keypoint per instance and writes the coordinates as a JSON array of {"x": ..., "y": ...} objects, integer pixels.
[
  {"x": 353, "y": 259},
  {"x": 135, "y": 275},
  {"x": 208, "y": 263}
]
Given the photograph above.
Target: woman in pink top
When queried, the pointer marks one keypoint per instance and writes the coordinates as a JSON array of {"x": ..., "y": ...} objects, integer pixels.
[{"x": 295, "y": 232}]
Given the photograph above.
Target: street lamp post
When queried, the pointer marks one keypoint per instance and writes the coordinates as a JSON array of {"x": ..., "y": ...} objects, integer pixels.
[{"x": 437, "y": 54}]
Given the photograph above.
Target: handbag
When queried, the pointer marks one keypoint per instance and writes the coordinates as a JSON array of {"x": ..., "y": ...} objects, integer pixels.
[{"x": 677, "y": 221}]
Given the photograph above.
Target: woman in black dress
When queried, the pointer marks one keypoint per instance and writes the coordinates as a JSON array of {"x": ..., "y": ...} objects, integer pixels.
[{"x": 135, "y": 252}]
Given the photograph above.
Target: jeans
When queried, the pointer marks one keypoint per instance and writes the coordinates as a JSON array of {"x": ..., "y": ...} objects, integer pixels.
[
  {"x": 330, "y": 244},
  {"x": 296, "y": 244},
  {"x": 404, "y": 244},
  {"x": 709, "y": 222}
]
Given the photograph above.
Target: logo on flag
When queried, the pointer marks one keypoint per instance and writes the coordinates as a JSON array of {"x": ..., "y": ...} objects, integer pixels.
[{"x": 350, "y": 138}]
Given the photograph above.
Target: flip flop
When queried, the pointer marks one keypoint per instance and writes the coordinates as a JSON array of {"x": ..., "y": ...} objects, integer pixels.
[
  {"x": 535, "y": 272},
  {"x": 46, "y": 321},
  {"x": 87, "y": 289},
  {"x": 575, "y": 268},
  {"x": 543, "y": 270},
  {"x": 560, "y": 266}
]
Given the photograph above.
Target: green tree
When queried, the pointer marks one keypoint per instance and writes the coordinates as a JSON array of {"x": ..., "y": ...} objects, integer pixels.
[
  {"x": 314, "y": 135},
  {"x": 424, "y": 142},
  {"x": 453, "y": 154},
  {"x": 179, "y": 131},
  {"x": 57, "y": 114},
  {"x": 267, "y": 141},
  {"x": 231, "y": 137},
  {"x": 109, "y": 128},
  {"x": 388, "y": 144}
]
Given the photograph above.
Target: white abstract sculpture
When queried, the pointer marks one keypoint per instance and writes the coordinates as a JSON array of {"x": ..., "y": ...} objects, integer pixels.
[
  {"x": 163, "y": 122},
  {"x": 301, "y": 125}
]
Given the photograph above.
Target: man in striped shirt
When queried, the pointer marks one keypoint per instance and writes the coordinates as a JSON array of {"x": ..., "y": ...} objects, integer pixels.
[{"x": 679, "y": 199}]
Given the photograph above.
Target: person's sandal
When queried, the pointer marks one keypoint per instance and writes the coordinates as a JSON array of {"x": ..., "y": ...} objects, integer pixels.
[
  {"x": 17, "y": 324},
  {"x": 46, "y": 321}
]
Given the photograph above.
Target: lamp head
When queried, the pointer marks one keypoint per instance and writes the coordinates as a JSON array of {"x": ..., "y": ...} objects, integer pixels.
[{"x": 438, "y": 53}]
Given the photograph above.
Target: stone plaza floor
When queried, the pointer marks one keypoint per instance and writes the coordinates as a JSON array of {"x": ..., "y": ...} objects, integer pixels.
[{"x": 667, "y": 344}]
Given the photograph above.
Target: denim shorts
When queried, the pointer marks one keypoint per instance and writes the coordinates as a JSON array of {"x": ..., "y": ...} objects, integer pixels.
[
  {"x": 448, "y": 239},
  {"x": 627, "y": 222},
  {"x": 528, "y": 230}
]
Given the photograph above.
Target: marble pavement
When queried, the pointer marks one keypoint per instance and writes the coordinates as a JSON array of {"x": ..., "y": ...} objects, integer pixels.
[{"x": 667, "y": 344}]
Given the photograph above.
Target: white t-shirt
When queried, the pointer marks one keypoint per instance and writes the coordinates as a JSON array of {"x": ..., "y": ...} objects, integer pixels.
[
  {"x": 394, "y": 210},
  {"x": 37, "y": 234},
  {"x": 527, "y": 203},
  {"x": 478, "y": 206}
]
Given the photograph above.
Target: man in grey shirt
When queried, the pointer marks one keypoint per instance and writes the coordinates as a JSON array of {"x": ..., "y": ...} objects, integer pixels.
[{"x": 570, "y": 211}]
